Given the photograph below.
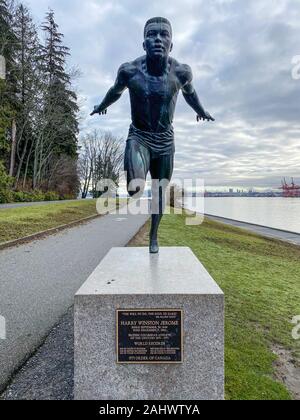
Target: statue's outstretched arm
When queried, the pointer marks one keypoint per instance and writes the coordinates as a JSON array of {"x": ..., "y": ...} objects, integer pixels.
[
  {"x": 191, "y": 97},
  {"x": 114, "y": 93}
]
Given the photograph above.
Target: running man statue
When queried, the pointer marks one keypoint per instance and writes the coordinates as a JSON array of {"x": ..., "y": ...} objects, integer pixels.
[{"x": 154, "y": 81}]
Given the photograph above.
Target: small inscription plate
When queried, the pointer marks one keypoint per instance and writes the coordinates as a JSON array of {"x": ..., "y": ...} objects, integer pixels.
[{"x": 149, "y": 336}]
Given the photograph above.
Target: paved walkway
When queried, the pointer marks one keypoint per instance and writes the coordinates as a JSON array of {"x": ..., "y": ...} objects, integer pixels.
[
  {"x": 49, "y": 373},
  {"x": 283, "y": 235},
  {"x": 38, "y": 281}
]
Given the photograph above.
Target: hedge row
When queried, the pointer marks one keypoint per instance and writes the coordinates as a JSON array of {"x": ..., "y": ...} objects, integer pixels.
[{"x": 8, "y": 196}]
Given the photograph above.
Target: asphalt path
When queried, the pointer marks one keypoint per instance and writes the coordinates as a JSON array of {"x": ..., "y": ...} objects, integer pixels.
[{"x": 38, "y": 281}]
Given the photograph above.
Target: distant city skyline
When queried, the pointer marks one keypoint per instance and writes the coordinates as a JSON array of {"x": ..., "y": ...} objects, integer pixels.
[{"x": 241, "y": 54}]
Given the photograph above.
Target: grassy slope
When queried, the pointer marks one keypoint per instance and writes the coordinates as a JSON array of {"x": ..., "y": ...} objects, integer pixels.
[
  {"x": 19, "y": 222},
  {"x": 260, "y": 278}
]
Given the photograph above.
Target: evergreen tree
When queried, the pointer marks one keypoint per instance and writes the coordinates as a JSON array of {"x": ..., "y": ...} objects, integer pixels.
[
  {"x": 37, "y": 102},
  {"x": 8, "y": 42},
  {"x": 6, "y": 116},
  {"x": 61, "y": 100},
  {"x": 7, "y": 37},
  {"x": 60, "y": 108}
]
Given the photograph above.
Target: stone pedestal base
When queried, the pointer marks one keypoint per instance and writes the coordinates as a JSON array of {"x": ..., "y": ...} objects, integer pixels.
[{"x": 130, "y": 278}]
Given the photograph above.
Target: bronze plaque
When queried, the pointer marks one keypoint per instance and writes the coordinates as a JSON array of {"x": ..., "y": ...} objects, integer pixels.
[{"x": 150, "y": 336}]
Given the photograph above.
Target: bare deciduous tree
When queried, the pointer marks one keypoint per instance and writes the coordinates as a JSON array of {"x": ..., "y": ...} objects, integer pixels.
[{"x": 101, "y": 157}]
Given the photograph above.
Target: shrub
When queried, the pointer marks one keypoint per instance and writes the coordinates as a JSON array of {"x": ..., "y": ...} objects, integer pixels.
[
  {"x": 37, "y": 195},
  {"x": 19, "y": 196},
  {"x": 6, "y": 196},
  {"x": 28, "y": 196},
  {"x": 5, "y": 185},
  {"x": 5, "y": 180}
]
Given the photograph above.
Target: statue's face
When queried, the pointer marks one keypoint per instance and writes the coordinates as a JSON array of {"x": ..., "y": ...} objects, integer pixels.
[{"x": 158, "y": 40}]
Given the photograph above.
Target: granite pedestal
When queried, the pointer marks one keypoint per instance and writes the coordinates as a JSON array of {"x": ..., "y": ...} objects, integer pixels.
[{"x": 131, "y": 278}]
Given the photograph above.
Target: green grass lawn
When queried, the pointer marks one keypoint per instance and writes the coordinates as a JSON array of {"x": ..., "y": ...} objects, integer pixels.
[
  {"x": 23, "y": 221},
  {"x": 261, "y": 282}
]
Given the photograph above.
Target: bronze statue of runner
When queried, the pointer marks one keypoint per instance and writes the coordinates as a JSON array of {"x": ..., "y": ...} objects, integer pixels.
[{"x": 154, "y": 81}]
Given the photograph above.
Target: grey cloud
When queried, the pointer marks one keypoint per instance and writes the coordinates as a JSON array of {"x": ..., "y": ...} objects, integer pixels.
[{"x": 241, "y": 56}]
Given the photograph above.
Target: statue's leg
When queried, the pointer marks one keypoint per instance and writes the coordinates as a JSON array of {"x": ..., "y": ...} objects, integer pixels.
[
  {"x": 161, "y": 170},
  {"x": 136, "y": 165}
]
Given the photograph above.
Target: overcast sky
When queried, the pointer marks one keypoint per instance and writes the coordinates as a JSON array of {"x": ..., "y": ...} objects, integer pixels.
[{"x": 241, "y": 54}]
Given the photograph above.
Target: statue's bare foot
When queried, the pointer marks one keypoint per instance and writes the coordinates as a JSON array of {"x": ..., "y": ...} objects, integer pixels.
[{"x": 154, "y": 248}]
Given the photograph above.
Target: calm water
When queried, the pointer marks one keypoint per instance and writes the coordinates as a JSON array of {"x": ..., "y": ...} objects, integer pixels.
[{"x": 280, "y": 213}]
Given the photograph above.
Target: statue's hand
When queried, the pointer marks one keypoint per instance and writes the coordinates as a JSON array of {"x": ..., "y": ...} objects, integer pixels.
[
  {"x": 205, "y": 117},
  {"x": 96, "y": 111}
]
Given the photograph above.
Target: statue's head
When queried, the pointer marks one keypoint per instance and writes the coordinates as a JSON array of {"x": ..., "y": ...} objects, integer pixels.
[{"x": 158, "y": 37}]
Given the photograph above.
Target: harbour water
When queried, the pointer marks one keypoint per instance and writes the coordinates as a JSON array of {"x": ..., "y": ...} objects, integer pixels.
[{"x": 278, "y": 213}]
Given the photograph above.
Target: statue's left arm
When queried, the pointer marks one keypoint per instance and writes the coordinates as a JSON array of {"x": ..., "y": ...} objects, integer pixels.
[{"x": 190, "y": 95}]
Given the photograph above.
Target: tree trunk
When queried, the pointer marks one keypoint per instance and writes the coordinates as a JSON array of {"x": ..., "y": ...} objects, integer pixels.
[
  {"x": 13, "y": 147},
  {"x": 26, "y": 167}
]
